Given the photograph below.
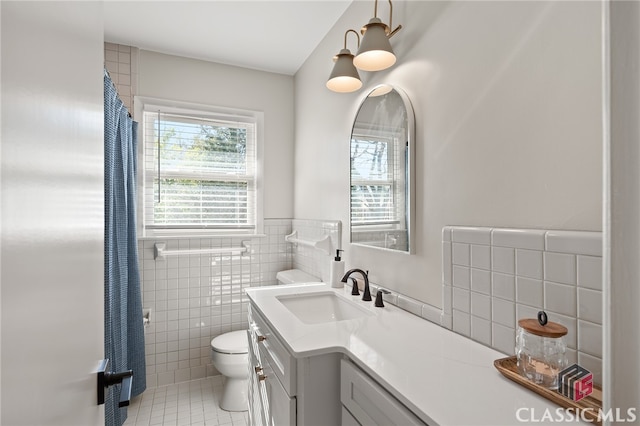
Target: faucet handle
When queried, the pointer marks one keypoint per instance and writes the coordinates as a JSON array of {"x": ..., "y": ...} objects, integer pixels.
[{"x": 354, "y": 288}]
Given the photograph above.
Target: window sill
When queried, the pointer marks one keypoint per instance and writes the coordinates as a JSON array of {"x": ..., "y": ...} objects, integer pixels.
[{"x": 183, "y": 236}]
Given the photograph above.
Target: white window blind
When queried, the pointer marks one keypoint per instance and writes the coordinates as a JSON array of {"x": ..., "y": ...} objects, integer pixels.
[
  {"x": 376, "y": 176},
  {"x": 200, "y": 171}
]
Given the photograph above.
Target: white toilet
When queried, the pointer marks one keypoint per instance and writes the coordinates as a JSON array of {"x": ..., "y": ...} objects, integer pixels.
[
  {"x": 230, "y": 356},
  {"x": 292, "y": 276},
  {"x": 230, "y": 353}
]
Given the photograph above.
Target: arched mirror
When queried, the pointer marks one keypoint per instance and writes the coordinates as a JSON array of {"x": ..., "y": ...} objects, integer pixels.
[{"x": 382, "y": 151}]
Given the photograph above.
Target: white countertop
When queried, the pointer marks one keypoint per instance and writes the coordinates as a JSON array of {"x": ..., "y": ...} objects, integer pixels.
[{"x": 443, "y": 377}]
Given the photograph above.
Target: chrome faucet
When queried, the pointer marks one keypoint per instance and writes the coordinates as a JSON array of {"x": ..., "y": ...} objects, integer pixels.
[{"x": 366, "y": 296}]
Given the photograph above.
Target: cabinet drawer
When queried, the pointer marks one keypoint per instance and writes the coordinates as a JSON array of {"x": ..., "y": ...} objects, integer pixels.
[
  {"x": 368, "y": 402},
  {"x": 270, "y": 347}
]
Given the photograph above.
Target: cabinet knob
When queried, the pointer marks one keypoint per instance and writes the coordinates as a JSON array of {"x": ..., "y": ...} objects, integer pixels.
[
  {"x": 262, "y": 338},
  {"x": 261, "y": 377},
  {"x": 257, "y": 369}
]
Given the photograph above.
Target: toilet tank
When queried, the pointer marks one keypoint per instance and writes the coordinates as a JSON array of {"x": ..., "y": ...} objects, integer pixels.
[{"x": 292, "y": 276}]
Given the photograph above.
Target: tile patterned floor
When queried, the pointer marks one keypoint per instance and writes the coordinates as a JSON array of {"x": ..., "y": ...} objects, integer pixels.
[{"x": 193, "y": 403}]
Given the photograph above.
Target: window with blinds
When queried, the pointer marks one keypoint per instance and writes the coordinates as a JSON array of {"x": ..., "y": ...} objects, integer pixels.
[
  {"x": 376, "y": 176},
  {"x": 199, "y": 171}
]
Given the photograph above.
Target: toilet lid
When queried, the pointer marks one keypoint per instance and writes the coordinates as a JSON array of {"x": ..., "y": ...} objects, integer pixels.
[{"x": 234, "y": 342}]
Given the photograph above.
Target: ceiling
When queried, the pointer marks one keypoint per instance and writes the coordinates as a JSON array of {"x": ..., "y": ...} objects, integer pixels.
[{"x": 268, "y": 35}]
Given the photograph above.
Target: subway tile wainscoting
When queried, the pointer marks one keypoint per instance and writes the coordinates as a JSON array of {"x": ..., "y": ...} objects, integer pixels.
[
  {"x": 196, "y": 297},
  {"x": 492, "y": 277},
  {"x": 310, "y": 259}
]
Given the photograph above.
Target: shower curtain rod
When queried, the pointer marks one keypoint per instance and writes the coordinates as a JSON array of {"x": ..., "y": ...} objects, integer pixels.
[{"x": 159, "y": 250}]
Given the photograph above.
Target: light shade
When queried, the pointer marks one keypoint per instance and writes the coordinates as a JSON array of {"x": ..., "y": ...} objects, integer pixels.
[
  {"x": 344, "y": 78},
  {"x": 375, "y": 53}
]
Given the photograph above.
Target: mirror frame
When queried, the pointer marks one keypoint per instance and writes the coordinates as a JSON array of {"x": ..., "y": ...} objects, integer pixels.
[{"x": 411, "y": 190}]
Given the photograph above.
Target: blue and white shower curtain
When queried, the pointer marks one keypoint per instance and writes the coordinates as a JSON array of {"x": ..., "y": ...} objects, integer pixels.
[{"x": 124, "y": 330}]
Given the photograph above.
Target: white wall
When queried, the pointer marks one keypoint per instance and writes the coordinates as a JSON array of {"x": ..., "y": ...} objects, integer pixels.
[
  {"x": 507, "y": 99},
  {"x": 52, "y": 212},
  {"x": 622, "y": 219},
  {"x": 189, "y": 80}
]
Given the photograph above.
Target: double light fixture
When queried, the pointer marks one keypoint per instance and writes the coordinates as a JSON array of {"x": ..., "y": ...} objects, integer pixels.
[{"x": 374, "y": 54}]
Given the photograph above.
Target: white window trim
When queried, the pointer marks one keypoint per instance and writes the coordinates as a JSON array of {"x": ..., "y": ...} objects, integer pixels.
[{"x": 142, "y": 103}]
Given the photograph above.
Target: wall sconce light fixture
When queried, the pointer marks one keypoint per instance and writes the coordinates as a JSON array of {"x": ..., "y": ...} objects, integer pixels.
[
  {"x": 344, "y": 78},
  {"x": 375, "y": 52}
]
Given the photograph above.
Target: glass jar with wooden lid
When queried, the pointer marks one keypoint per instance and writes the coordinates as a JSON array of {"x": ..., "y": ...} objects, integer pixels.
[{"x": 541, "y": 350}]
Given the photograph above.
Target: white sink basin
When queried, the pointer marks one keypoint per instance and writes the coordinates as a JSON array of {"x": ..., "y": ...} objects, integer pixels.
[{"x": 317, "y": 308}]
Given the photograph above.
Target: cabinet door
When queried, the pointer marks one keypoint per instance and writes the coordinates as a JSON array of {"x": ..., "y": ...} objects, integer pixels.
[
  {"x": 281, "y": 409},
  {"x": 368, "y": 402},
  {"x": 275, "y": 352},
  {"x": 257, "y": 392}
]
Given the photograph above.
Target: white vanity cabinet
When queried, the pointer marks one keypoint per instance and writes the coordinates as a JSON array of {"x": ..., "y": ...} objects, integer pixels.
[
  {"x": 364, "y": 370},
  {"x": 284, "y": 390},
  {"x": 365, "y": 402},
  {"x": 270, "y": 370}
]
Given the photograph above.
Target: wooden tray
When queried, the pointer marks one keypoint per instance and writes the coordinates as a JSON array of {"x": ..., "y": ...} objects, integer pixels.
[{"x": 591, "y": 403}]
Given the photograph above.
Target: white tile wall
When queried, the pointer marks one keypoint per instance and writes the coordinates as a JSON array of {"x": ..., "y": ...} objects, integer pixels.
[
  {"x": 122, "y": 63},
  {"x": 423, "y": 310},
  {"x": 197, "y": 297},
  {"x": 409, "y": 304},
  {"x": 492, "y": 277},
  {"x": 312, "y": 260}
]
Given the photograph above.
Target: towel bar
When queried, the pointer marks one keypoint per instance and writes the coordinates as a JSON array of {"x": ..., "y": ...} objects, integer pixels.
[
  {"x": 323, "y": 244},
  {"x": 159, "y": 250}
]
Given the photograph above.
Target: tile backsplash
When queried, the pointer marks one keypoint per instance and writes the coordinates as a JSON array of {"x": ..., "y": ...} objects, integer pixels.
[{"x": 492, "y": 277}]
